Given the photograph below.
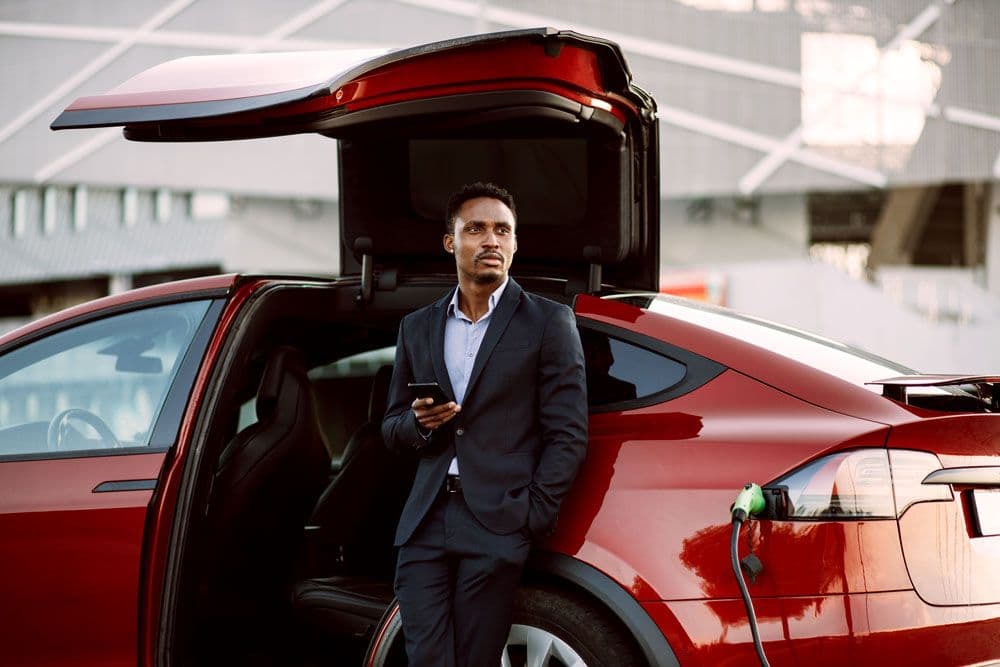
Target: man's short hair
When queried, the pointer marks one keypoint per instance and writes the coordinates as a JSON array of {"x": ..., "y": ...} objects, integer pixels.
[{"x": 474, "y": 191}]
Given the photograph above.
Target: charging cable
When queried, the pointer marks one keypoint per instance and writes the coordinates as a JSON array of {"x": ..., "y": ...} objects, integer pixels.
[{"x": 749, "y": 501}]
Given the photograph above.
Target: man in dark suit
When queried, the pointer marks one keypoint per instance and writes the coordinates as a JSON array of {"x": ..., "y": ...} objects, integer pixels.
[{"x": 497, "y": 458}]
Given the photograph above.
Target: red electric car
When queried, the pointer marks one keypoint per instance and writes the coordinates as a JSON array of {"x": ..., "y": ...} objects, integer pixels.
[{"x": 191, "y": 474}]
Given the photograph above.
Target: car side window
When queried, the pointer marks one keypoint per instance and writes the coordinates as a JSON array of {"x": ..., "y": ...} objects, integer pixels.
[
  {"x": 618, "y": 371},
  {"x": 96, "y": 386}
]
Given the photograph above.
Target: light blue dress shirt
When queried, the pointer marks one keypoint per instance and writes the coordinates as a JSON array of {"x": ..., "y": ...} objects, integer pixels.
[{"x": 462, "y": 338}]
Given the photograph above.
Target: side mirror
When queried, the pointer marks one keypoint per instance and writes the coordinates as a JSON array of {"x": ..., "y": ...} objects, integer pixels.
[{"x": 129, "y": 357}]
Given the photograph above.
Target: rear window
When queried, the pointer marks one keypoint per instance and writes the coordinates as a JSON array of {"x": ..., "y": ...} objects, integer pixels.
[
  {"x": 618, "y": 371},
  {"x": 531, "y": 169}
]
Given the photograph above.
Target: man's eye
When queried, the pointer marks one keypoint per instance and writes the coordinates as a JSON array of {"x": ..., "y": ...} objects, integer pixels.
[
  {"x": 503, "y": 231},
  {"x": 473, "y": 228}
]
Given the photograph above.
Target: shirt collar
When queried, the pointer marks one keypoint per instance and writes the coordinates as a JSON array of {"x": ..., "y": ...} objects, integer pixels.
[{"x": 453, "y": 310}]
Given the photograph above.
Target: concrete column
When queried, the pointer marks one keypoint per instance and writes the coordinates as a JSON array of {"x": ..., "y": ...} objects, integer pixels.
[
  {"x": 119, "y": 282},
  {"x": 993, "y": 239},
  {"x": 900, "y": 225},
  {"x": 787, "y": 217}
]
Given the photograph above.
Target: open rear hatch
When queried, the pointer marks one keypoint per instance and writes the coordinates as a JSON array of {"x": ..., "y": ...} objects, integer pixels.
[{"x": 551, "y": 115}]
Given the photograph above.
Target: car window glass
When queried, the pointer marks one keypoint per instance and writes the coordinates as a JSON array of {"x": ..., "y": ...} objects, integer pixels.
[
  {"x": 342, "y": 390},
  {"x": 363, "y": 364},
  {"x": 96, "y": 386},
  {"x": 619, "y": 371},
  {"x": 248, "y": 414}
]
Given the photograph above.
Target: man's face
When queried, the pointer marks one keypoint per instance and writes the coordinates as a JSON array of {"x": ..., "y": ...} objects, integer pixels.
[{"x": 483, "y": 242}]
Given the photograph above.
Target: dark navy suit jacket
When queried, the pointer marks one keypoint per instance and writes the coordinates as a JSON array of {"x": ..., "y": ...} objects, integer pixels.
[{"x": 522, "y": 432}]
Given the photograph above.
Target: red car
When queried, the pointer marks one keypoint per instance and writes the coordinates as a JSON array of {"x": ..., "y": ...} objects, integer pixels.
[{"x": 166, "y": 489}]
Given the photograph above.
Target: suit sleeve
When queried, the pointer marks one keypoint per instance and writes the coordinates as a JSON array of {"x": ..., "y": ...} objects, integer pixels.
[
  {"x": 399, "y": 427},
  {"x": 562, "y": 392}
]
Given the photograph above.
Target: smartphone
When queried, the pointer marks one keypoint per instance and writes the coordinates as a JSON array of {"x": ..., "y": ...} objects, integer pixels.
[{"x": 429, "y": 390}]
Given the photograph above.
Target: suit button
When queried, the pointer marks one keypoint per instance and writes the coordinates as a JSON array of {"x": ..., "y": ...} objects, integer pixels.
[{"x": 459, "y": 431}]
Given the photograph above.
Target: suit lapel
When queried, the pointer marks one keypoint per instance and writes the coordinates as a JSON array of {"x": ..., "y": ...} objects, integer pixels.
[
  {"x": 498, "y": 324},
  {"x": 439, "y": 314}
]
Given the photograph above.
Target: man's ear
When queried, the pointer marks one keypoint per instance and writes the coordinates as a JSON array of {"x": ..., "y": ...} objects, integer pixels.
[{"x": 449, "y": 243}]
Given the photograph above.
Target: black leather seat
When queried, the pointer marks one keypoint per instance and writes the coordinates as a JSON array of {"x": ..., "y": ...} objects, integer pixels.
[
  {"x": 356, "y": 517},
  {"x": 356, "y": 505},
  {"x": 343, "y": 605},
  {"x": 266, "y": 482}
]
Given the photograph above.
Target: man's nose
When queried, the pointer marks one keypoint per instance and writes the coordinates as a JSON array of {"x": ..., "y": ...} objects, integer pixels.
[{"x": 491, "y": 239}]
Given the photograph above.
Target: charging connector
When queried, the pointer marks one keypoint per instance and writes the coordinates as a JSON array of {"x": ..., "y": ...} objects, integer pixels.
[{"x": 749, "y": 502}]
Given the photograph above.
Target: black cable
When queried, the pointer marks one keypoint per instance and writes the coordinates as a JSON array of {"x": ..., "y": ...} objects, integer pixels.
[{"x": 751, "y": 616}]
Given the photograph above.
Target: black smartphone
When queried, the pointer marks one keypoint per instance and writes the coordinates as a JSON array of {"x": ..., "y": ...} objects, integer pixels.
[{"x": 429, "y": 390}]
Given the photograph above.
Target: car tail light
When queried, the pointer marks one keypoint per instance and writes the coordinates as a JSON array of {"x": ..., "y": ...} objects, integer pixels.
[
  {"x": 909, "y": 469},
  {"x": 855, "y": 484}
]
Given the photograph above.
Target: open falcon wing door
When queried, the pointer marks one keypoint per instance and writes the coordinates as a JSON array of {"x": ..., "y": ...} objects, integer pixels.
[{"x": 551, "y": 115}]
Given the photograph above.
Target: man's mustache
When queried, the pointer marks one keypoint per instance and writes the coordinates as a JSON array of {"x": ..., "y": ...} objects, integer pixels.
[{"x": 490, "y": 255}]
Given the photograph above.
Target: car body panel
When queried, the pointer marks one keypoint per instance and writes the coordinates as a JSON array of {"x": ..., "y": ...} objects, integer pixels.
[
  {"x": 964, "y": 571},
  {"x": 888, "y": 628},
  {"x": 313, "y": 88},
  {"x": 70, "y": 560},
  {"x": 638, "y": 479}
]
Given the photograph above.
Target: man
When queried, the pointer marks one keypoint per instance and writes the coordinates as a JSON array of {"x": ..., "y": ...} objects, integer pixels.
[{"x": 498, "y": 457}]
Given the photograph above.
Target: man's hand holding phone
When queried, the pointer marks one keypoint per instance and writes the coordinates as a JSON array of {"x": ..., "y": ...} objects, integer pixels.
[{"x": 431, "y": 407}]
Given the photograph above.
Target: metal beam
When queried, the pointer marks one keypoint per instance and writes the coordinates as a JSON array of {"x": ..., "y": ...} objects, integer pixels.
[
  {"x": 771, "y": 162},
  {"x": 175, "y": 38},
  {"x": 640, "y": 45},
  {"x": 295, "y": 23},
  {"x": 92, "y": 67},
  {"x": 743, "y": 137},
  {"x": 901, "y": 224}
]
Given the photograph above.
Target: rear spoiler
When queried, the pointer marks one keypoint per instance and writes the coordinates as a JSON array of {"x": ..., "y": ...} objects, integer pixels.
[{"x": 895, "y": 388}]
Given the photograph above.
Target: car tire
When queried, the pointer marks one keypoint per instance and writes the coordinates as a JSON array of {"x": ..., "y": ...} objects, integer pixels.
[
  {"x": 552, "y": 627},
  {"x": 557, "y": 628}
]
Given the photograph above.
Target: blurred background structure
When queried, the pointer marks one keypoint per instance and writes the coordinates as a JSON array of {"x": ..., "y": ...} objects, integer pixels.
[{"x": 829, "y": 164}]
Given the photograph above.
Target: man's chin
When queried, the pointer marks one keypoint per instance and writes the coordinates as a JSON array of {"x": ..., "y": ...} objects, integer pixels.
[{"x": 489, "y": 278}]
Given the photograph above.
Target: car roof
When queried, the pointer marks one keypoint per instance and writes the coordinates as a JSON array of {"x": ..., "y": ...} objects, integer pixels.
[{"x": 193, "y": 287}]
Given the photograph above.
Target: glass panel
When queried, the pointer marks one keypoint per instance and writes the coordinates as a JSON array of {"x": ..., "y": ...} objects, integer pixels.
[
  {"x": 619, "y": 371},
  {"x": 96, "y": 386},
  {"x": 363, "y": 364},
  {"x": 531, "y": 169},
  {"x": 845, "y": 485}
]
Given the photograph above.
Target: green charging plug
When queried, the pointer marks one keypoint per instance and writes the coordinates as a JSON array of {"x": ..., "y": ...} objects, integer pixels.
[{"x": 750, "y": 500}]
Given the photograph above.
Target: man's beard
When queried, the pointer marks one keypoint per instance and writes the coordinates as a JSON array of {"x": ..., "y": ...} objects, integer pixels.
[{"x": 488, "y": 278}]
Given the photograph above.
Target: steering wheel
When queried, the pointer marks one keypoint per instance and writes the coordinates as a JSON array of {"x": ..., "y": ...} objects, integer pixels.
[{"x": 59, "y": 428}]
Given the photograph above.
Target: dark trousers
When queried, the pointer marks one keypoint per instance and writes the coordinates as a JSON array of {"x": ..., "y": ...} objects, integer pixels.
[{"x": 455, "y": 581}]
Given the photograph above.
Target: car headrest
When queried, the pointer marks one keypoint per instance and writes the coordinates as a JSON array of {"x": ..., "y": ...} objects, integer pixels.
[
  {"x": 380, "y": 394},
  {"x": 284, "y": 361}
]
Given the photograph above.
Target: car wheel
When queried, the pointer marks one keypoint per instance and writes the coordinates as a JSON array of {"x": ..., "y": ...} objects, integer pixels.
[
  {"x": 551, "y": 628},
  {"x": 555, "y": 628}
]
